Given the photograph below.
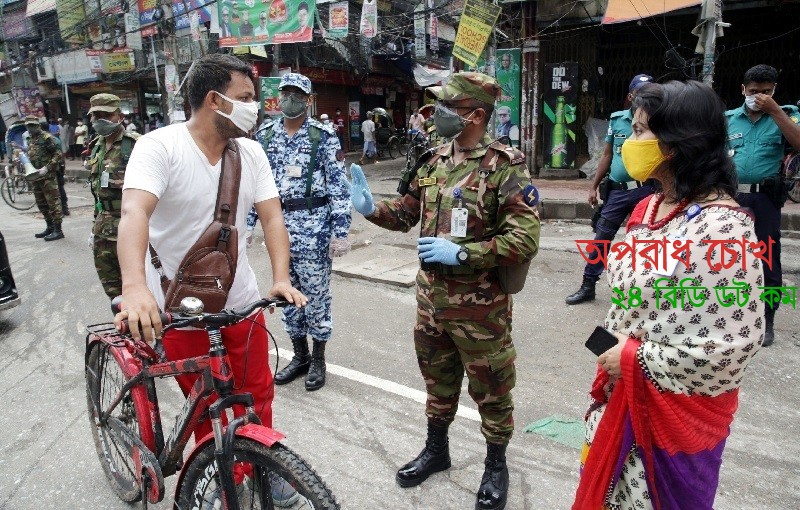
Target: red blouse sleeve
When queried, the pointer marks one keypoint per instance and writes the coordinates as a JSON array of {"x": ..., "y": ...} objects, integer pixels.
[{"x": 637, "y": 216}]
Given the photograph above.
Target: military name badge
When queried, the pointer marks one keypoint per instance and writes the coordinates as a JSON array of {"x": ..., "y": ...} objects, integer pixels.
[
  {"x": 531, "y": 195},
  {"x": 104, "y": 179},
  {"x": 426, "y": 181},
  {"x": 293, "y": 171}
]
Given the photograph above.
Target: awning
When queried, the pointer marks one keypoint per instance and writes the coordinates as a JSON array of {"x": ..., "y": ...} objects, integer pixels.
[
  {"x": 619, "y": 11},
  {"x": 40, "y": 6}
]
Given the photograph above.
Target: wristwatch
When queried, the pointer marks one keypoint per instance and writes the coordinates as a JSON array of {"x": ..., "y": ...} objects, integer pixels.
[{"x": 462, "y": 256}]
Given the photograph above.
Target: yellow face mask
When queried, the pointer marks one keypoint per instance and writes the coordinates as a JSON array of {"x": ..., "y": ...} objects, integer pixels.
[{"x": 641, "y": 158}]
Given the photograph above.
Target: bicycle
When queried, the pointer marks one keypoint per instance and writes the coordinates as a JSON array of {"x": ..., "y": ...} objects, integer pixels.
[
  {"x": 129, "y": 438},
  {"x": 791, "y": 173},
  {"x": 398, "y": 143},
  {"x": 15, "y": 189},
  {"x": 418, "y": 145}
]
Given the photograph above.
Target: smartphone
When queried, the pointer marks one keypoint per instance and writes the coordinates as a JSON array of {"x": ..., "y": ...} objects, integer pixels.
[{"x": 600, "y": 341}]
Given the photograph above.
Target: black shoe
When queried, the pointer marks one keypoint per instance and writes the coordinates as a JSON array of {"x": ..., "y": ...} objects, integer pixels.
[
  {"x": 55, "y": 235},
  {"x": 769, "y": 321},
  {"x": 47, "y": 232},
  {"x": 65, "y": 211},
  {"x": 585, "y": 293},
  {"x": 493, "y": 491},
  {"x": 298, "y": 365},
  {"x": 316, "y": 371},
  {"x": 433, "y": 458}
]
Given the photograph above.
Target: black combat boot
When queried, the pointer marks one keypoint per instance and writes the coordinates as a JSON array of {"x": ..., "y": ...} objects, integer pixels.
[
  {"x": 47, "y": 231},
  {"x": 493, "y": 491},
  {"x": 56, "y": 234},
  {"x": 299, "y": 363},
  {"x": 65, "y": 211},
  {"x": 316, "y": 372},
  {"x": 433, "y": 458},
  {"x": 769, "y": 335},
  {"x": 585, "y": 293}
]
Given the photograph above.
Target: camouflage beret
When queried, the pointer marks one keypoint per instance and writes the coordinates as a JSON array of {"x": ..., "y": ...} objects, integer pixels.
[
  {"x": 478, "y": 86},
  {"x": 295, "y": 80},
  {"x": 104, "y": 103}
]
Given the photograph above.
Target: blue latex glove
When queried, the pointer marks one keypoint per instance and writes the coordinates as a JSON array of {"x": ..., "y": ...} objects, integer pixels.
[
  {"x": 437, "y": 249},
  {"x": 360, "y": 194}
]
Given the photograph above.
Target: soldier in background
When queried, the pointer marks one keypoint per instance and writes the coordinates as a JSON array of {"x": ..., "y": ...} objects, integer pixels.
[
  {"x": 109, "y": 157},
  {"x": 44, "y": 151},
  {"x": 463, "y": 314}
]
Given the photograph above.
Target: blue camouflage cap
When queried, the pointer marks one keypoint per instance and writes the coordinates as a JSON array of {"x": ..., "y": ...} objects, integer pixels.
[{"x": 295, "y": 80}]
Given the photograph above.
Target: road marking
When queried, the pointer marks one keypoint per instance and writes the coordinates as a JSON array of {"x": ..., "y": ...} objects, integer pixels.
[{"x": 383, "y": 384}]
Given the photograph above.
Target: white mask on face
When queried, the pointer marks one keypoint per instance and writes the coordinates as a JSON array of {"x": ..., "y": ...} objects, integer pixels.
[
  {"x": 750, "y": 101},
  {"x": 244, "y": 115}
]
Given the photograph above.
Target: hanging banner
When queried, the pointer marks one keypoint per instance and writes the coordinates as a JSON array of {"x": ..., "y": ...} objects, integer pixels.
[
  {"x": 134, "y": 36},
  {"x": 354, "y": 114},
  {"x": 434, "y": 33},
  {"x": 276, "y": 22},
  {"x": 508, "y": 106},
  {"x": 474, "y": 29},
  {"x": 269, "y": 96},
  {"x": 150, "y": 13},
  {"x": 170, "y": 78},
  {"x": 338, "y": 20},
  {"x": 15, "y": 25},
  {"x": 369, "y": 19},
  {"x": 194, "y": 25},
  {"x": 419, "y": 32},
  {"x": 118, "y": 62},
  {"x": 29, "y": 101},
  {"x": 106, "y": 27},
  {"x": 71, "y": 16},
  {"x": 559, "y": 106}
]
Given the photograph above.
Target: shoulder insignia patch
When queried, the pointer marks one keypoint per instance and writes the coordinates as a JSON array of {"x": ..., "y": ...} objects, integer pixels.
[{"x": 531, "y": 195}]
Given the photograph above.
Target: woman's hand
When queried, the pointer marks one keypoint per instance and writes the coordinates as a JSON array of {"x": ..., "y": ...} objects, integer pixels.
[{"x": 611, "y": 360}]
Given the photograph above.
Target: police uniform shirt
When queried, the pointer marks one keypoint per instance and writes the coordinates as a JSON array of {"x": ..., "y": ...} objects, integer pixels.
[
  {"x": 757, "y": 147},
  {"x": 619, "y": 129}
]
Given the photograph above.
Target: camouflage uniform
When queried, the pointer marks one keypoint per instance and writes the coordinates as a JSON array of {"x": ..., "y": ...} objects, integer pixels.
[
  {"x": 463, "y": 316},
  {"x": 45, "y": 150}
]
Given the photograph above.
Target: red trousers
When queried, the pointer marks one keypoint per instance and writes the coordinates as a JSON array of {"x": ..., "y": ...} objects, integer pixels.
[{"x": 248, "y": 349}]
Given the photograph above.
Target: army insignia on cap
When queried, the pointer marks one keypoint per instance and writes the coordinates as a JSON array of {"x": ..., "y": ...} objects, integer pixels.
[{"x": 531, "y": 195}]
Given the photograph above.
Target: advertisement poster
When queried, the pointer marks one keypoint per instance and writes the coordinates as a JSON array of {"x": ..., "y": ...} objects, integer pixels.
[
  {"x": 269, "y": 96},
  {"x": 507, "y": 108},
  {"x": 134, "y": 36},
  {"x": 118, "y": 62},
  {"x": 338, "y": 20},
  {"x": 149, "y": 13},
  {"x": 560, "y": 84},
  {"x": 434, "y": 33},
  {"x": 419, "y": 31},
  {"x": 354, "y": 114},
  {"x": 29, "y": 101},
  {"x": 71, "y": 16},
  {"x": 369, "y": 19},
  {"x": 275, "y": 22},
  {"x": 473, "y": 30}
]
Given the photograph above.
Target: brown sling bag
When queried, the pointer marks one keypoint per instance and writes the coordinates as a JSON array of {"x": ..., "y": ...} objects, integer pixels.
[{"x": 208, "y": 268}]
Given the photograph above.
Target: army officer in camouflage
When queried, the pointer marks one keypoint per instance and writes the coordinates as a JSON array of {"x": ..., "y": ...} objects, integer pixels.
[
  {"x": 475, "y": 201},
  {"x": 109, "y": 157},
  {"x": 44, "y": 152}
]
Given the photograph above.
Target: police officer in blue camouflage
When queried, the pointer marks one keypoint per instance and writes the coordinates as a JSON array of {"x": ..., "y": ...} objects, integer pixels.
[
  {"x": 619, "y": 192},
  {"x": 758, "y": 132},
  {"x": 308, "y": 164}
]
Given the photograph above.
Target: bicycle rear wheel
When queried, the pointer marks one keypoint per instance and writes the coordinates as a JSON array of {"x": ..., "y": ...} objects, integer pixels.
[
  {"x": 104, "y": 379},
  {"x": 404, "y": 146},
  {"x": 792, "y": 174},
  {"x": 17, "y": 192},
  {"x": 201, "y": 483},
  {"x": 394, "y": 147}
]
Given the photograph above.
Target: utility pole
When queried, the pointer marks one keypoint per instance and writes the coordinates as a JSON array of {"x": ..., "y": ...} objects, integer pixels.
[{"x": 711, "y": 16}]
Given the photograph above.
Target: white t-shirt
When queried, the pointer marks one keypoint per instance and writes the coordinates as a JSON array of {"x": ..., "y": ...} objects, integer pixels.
[
  {"x": 417, "y": 121},
  {"x": 169, "y": 164},
  {"x": 368, "y": 128}
]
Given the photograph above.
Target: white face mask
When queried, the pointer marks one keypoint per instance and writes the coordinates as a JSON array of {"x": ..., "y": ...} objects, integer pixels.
[
  {"x": 750, "y": 101},
  {"x": 244, "y": 115}
]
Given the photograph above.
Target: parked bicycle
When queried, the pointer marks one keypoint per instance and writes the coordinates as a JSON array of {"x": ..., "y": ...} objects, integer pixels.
[
  {"x": 791, "y": 173},
  {"x": 418, "y": 145},
  {"x": 15, "y": 189},
  {"x": 128, "y": 435}
]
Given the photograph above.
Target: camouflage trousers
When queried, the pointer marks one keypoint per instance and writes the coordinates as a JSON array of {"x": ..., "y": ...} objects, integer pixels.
[
  {"x": 48, "y": 199},
  {"x": 448, "y": 348},
  {"x": 107, "y": 265}
]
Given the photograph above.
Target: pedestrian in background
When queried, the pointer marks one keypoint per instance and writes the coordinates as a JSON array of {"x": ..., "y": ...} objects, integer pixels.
[
  {"x": 339, "y": 124},
  {"x": 61, "y": 172},
  {"x": 80, "y": 138},
  {"x": 758, "y": 132},
  {"x": 619, "y": 190},
  {"x": 463, "y": 313},
  {"x": 368, "y": 129},
  {"x": 44, "y": 152},
  {"x": 107, "y": 163},
  {"x": 308, "y": 164}
]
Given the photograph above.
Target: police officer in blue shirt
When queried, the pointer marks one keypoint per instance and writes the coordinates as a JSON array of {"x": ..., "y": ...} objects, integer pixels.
[
  {"x": 308, "y": 164},
  {"x": 758, "y": 132},
  {"x": 619, "y": 192}
]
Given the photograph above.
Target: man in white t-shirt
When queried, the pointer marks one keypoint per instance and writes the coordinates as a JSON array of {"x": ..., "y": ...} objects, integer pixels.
[
  {"x": 415, "y": 123},
  {"x": 370, "y": 149},
  {"x": 168, "y": 200}
]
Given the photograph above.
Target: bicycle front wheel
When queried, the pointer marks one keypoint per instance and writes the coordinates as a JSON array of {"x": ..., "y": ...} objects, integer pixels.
[
  {"x": 104, "y": 379},
  {"x": 260, "y": 463},
  {"x": 17, "y": 192},
  {"x": 394, "y": 147}
]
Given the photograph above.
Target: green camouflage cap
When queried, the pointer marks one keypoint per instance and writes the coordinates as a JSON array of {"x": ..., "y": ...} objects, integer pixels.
[
  {"x": 104, "y": 103},
  {"x": 32, "y": 119},
  {"x": 478, "y": 86}
]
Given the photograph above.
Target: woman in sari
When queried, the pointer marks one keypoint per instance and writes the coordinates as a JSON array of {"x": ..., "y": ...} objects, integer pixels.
[{"x": 664, "y": 396}]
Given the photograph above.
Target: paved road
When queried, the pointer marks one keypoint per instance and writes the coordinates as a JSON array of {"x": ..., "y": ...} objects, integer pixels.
[{"x": 368, "y": 420}]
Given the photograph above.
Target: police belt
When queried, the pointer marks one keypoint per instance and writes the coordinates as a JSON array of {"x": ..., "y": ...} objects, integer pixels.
[
  {"x": 750, "y": 188},
  {"x": 625, "y": 186},
  {"x": 111, "y": 205},
  {"x": 445, "y": 270},
  {"x": 296, "y": 204}
]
